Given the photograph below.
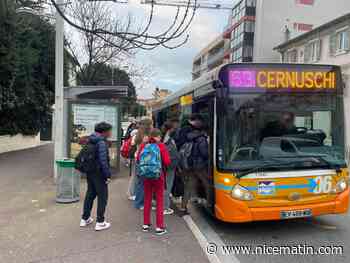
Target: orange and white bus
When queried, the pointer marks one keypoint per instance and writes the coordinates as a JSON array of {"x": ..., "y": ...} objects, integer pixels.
[{"x": 276, "y": 134}]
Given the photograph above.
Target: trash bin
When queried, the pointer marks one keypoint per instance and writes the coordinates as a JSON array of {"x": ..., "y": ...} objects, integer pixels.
[{"x": 68, "y": 182}]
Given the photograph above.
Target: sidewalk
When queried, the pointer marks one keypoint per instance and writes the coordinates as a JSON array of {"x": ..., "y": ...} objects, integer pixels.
[{"x": 33, "y": 228}]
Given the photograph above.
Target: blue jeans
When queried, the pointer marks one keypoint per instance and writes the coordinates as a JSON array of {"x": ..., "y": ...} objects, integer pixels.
[
  {"x": 132, "y": 180},
  {"x": 139, "y": 192},
  {"x": 170, "y": 176}
]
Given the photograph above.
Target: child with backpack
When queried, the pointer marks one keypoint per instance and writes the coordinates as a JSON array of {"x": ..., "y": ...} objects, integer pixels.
[
  {"x": 153, "y": 159},
  {"x": 142, "y": 137}
]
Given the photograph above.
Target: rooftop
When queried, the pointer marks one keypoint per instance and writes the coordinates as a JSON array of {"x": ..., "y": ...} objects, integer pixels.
[
  {"x": 210, "y": 46},
  {"x": 319, "y": 29}
]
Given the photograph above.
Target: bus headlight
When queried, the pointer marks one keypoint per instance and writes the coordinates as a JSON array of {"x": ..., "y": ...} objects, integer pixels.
[
  {"x": 240, "y": 193},
  {"x": 341, "y": 186}
]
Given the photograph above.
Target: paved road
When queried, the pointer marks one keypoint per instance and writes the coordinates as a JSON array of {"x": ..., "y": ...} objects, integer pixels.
[
  {"x": 321, "y": 231},
  {"x": 34, "y": 229}
]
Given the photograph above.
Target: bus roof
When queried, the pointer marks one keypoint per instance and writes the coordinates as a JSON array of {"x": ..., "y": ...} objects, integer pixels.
[{"x": 199, "y": 87}]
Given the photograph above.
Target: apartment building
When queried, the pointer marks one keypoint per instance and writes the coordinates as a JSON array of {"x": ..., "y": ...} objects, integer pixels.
[
  {"x": 326, "y": 44},
  {"x": 240, "y": 31},
  {"x": 257, "y": 26},
  {"x": 212, "y": 56}
]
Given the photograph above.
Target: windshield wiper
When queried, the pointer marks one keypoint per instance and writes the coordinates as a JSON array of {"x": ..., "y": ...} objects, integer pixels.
[
  {"x": 331, "y": 165},
  {"x": 318, "y": 158},
  {"x": 288, "y": 164}
]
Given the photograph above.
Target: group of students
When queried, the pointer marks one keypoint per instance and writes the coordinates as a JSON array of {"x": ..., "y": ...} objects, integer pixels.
[{"x": 156, "y": 157}]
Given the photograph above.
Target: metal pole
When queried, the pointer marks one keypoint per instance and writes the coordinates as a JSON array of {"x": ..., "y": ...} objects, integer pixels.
[
  {"x": 112, "y": 76},
  {"x": 58, "y": 125}
]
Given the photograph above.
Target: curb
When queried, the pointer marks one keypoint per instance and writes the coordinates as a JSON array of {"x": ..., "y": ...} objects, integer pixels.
[{"x": 207, "y": 239}]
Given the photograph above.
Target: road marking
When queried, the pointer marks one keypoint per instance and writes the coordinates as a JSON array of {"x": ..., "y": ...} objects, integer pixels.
[
  {"x": 314, "y": 222},
  {"x": 203, "y": 242},
  {"x": 323, "y": 226},
  {"x": 209, "y": 236}
]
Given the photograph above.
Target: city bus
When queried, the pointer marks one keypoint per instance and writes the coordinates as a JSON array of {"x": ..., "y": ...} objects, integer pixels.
[{"x": 276, "y": 140}]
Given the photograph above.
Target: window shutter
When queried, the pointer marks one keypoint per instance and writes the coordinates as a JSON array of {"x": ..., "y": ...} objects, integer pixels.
[
  {"x": 307, "y": 53},
  {"x": 347, "y": 40},
  {"x": 319, "y": 49},
  {"x": 333, "y": 44}
]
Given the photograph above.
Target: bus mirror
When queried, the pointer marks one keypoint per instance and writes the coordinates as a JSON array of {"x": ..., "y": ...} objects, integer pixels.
[{"x": 217, "y": 84}]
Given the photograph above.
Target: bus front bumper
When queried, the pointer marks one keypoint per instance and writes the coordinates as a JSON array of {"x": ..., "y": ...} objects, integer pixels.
[{"x": 228, "y": 209}]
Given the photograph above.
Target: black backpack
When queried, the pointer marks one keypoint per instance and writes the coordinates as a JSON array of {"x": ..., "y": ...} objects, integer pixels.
[
  {"x": 85, "y": 161},
  {"x": 173, "y": 152},
  {"x": 185, "y": 157}
]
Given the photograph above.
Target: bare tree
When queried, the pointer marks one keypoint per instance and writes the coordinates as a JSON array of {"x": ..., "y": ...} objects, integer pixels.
[
  {"x": 36, "y": 5},
  {"x": 91, "y": 49},
  {"x": 130, "y": 38}
]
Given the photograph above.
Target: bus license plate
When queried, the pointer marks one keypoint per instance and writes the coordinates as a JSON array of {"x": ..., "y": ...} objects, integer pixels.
[{"x": 296, "y": 213}]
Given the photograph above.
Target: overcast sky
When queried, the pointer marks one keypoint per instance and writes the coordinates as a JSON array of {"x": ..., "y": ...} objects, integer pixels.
[{"x": 172, "y": 68}]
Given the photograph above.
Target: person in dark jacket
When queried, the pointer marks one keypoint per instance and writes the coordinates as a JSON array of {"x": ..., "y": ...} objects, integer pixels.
[
  {"x": 97, "y": 181},
  {"x": 194, "y": 132},
  {"x": 168, "y": 129}
]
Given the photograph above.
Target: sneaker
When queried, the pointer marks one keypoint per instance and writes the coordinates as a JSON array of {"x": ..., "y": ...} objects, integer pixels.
[
  {"x": 102, "y": 226},
  {"x": 183, "y": 211},
  {"x": 84, "y": 223},
  {"x": 132, "y": 198},
  {"x": 141, "y": 208},
  {"x": 154, "y": 208},
  {"x": 177, "y": 200},
  {"x": 168, "y": 211},
  {"x": 160, "y": 231},
  {"x": 146, "y": 228},
  {"x": 196, "y": 200}
]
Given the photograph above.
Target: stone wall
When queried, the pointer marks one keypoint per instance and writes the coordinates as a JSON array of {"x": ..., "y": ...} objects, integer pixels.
[{"x": 18, "y": 142}]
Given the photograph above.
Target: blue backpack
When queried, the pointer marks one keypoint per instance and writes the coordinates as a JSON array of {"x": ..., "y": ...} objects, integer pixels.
[{"x": 150, "y": 164}]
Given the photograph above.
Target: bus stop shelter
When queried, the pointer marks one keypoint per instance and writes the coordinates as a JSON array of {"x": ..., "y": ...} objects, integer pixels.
[{"x": 84, "y": 106}]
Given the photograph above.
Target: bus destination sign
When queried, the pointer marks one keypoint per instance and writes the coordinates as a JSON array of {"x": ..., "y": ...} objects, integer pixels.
[{"x": 250, "y": 80}]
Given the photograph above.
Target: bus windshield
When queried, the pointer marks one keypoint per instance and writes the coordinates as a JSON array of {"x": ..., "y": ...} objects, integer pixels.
[{"x": 306, "y": 130}]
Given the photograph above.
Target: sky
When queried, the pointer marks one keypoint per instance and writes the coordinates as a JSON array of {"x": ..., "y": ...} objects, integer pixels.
[
  {"x": 167, "y": 68},
  {"x": 171, "y": 69}
]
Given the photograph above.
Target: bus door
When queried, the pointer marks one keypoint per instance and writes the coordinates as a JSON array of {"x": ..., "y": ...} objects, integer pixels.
[{"x": 205, "y": 107}]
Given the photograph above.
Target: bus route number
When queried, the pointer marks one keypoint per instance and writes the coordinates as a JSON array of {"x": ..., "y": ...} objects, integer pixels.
[
  {"x": 243, "y": 78},
  {"x": 323, "y": 185}
]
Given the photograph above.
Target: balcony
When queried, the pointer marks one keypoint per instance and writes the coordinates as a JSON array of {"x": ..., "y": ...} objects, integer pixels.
[
  {"x": 227, "y": 31},
  {"x": 196, "y": 68},
  {"x": 216, "y": 57}
]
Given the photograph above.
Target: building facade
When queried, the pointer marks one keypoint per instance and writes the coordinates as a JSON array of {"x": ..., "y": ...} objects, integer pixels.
[
  {"x": 257, "y": 26},
  {"x": 158, "y": 96},
  {"x": 240, "y": 31},
  {"x": 326, "y": 44},
  {"x": 212, "y": 56}
]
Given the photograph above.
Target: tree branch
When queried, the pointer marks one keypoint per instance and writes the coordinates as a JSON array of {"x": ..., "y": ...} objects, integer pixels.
[{"x": 138, "y": 40}]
